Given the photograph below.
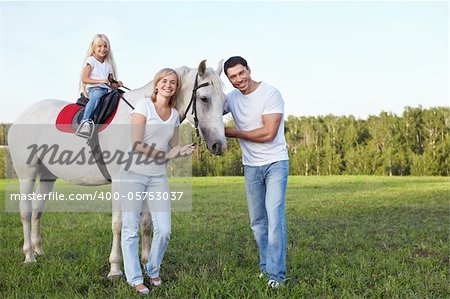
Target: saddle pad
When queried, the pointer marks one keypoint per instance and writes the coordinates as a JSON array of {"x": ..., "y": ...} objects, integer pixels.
[{"x": 67, "y": 120}]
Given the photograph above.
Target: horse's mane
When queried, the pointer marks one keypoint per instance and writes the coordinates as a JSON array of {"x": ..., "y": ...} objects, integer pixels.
[{"x": 217, "y": 83}]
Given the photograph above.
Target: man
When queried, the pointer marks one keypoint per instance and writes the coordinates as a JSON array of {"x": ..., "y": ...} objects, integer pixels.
[{"x": 257, "y": 110}]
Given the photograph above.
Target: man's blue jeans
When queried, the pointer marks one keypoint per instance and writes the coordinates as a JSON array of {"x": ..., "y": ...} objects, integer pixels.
[
  {"x": 94, "y": 95},
  {"x": 266, "y": 200}
]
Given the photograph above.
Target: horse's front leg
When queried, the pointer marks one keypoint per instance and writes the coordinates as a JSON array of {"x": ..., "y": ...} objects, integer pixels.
[
  {"x": 116, "y": 252},
  {"x": 146, "y": 229}
]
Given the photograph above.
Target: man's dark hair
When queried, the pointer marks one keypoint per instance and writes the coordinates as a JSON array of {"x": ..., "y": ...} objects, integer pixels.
[{"x": 233, "y": 61}]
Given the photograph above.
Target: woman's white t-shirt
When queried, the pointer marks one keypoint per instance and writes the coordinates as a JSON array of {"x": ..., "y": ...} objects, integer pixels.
[{"x": 157, "y": 134}]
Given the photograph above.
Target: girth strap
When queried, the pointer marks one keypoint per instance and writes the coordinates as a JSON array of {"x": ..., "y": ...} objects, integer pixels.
[{"x": 94, "y": 143}]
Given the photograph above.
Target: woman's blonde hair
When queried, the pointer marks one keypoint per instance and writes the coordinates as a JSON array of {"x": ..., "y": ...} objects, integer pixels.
[
  {"x": 90, "y": 52},
  {"x": 158, "y": 76}
]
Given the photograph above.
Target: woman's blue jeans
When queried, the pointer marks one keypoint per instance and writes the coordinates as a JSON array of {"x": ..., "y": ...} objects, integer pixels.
[
  {"x": 94, "y": 95},
  {"x": 266, "y": 200},
  {"x": 132, "y": 186}
]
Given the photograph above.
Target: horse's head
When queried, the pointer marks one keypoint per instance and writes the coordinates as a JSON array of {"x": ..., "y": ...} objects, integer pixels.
[{"x": 201, "y": 100}]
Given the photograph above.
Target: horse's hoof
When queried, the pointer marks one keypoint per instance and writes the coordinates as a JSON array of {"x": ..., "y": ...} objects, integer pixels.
[
  {"x": 39, "y": 252},
  {"x": 115, "y": 275},
  {"x": 28, "y": 261}
]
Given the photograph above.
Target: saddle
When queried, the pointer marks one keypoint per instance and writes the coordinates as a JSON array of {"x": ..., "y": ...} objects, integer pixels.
[{"x": 70, "y": 116}]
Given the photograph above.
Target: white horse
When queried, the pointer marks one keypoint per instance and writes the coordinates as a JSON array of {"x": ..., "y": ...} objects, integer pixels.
[{"x": 42, "y": 116}]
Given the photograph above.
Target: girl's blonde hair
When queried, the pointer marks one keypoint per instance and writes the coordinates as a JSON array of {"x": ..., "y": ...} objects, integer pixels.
[
  {"x": 109, "y": 57},
  {"x": 158, "y": 76}
]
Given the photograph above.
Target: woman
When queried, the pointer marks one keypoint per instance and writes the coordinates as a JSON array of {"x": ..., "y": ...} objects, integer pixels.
[{"x": 155, "y": 125}]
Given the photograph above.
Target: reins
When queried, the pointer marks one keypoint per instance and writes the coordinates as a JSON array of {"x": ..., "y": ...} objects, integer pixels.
[
  {"x": 125, "y": 100},
  {"x": 128, "y": 103}
]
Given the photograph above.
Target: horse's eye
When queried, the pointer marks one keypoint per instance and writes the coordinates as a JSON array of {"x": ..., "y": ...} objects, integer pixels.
[{"x": 204, "y": 99}]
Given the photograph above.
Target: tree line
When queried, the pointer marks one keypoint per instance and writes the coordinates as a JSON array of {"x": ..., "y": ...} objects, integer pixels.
[{"x": 415, "y": 143}]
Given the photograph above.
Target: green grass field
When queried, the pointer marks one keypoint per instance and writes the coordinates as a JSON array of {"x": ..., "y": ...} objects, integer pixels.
[{"x": 348, "y": 236}]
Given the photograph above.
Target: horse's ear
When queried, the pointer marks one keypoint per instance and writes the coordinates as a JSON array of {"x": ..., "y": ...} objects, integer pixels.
[
  {"x": 202, "y": 68},
  {"x": 219, "y": 68}
]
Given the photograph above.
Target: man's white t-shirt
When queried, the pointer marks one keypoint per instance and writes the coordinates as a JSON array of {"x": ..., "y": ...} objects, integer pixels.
[
  {"x": 99, "y": 71},
  {"x": 247, "y": 111},
  {"x": 157, "y": 134}
]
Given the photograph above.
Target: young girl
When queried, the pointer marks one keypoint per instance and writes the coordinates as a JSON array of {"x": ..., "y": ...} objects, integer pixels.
[
  {"x": 154, "y": 125},
  {"x": 98, "y": 69}
]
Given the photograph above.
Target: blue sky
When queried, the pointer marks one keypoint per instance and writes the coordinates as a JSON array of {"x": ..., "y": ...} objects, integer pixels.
[{"x": 338, "y": 57}]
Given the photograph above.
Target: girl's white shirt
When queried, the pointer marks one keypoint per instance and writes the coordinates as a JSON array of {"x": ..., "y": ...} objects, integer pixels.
[{"x": 99, "y": 71}]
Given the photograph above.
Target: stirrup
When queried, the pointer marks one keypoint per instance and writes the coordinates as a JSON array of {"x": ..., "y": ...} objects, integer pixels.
[{"x": 79, "y": 132}]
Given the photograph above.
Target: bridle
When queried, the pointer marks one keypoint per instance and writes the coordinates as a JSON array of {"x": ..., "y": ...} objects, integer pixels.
[{"x": 193, "y": 102}]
